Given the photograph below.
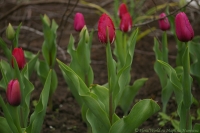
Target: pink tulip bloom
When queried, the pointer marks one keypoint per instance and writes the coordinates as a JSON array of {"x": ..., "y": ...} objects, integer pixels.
[
  {"x": 126, "y": 23},
  {"x": 79, "y": 21},
  {"x": 122, "y": 10},
  {"x": 18, "y": 54},
  {"x": 163, "y": 22},
  {"x": 13, "y": 93},
  {"x": 106, "y": 27},
  {"x": 184, "y": 30}
]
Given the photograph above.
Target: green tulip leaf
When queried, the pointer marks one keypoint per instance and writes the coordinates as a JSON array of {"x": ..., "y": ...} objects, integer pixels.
[
  {"x": 37, "y": 117},
  {"x": 103, "y": 95},
  {"x": 166, "y": 94},
  {"x": 8, "y": 117},
  {"x": 42, "y": 71},
  {"x": 194, "y": 48},
  {"x": 15, "y": 41},
  {"x": 89, "y": 99},
  {"x": 27, "y": 93},
  {"x": 49, "y": 47},
  {"x": 196, "y": 128},
  {"x": 32, "y": 62},
  {"x": 157, "y": 66},
  {"x": 97, "y": 126},
  {"x": 123, "y": 75},
  {"x": 80, "y": 58},
  {"x": 140, "y": 112},
  {"x": 7, "y": 74},
  {"x": 175, "y": 81},
  {"x": 4, "y": 127},
  {"x": 129, "y": 93},
  {"x": 54, "y": 82},
  {"x": 6, "y": 50}
]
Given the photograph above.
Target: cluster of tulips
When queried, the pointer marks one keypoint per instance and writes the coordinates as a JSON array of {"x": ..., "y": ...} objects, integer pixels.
[{"x": 98, "y": 102}]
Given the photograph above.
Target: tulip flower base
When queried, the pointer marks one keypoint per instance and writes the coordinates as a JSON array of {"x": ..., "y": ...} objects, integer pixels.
[{"x": 65, "y": 115}]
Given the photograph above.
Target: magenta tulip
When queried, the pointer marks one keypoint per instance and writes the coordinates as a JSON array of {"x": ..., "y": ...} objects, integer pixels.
[
  {"x": 126, "y": 23},
  {"x": 122, "y": 10},
  {"x": 18, "y": 54},
  {"x": 184, "y": 30},
  {"x": 106, "y": 27},
  {"x": 13, "y": 93},
  {"x": 164, "y": 22},
  {"x": 79, "y": 21}
]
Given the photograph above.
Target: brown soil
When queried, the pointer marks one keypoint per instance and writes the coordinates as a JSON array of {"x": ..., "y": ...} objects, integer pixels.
[{"x": 66, "y": 116}]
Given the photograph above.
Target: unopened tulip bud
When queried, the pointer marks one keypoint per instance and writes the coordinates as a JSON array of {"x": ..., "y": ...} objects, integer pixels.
[
  {"x": 13, "y": 93},
  {"x": 10, "y": 32},
  {"x": 122, "y": 10},
  {"x": 86, "y": 33},
  {"x": 47, "y": 20},
  {"x": 163, "y": 22},
  {"x": 106, "y": 27},
  {"x": 18, "y": 54},
  {"x": 184, "y": 30},
  {"x": 79, "y": 21},
  {"x": 126, "y": 23}
]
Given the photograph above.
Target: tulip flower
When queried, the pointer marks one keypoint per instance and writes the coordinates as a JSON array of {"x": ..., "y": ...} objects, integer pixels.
[
  {"x": 126, "y": 23},
  {"x": 122, "y": 10},
  {"x": 106, "y": 27},
  {"x": 18, "y": 54},
  {"x": 79, "y": 21},
  {"x": 163, "y": 22},
  {"x": 13, "y": 93},
  {"x": 184, "y": 30}
]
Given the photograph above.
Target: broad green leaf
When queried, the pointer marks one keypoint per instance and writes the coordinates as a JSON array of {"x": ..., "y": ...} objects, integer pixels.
[
  {"x": 102, "y": 94},
  {"x": 119, "y": 50},
  {"x": 164, "y": 116},
  {"x": 89, "y": 99},
  {"x": 6, "y": 50},
  {"x": 129, "y": 93},
  {"x": 194, "y": 48},
  {"x": 32, "y": 63},
  {"x": 123, "y": 75},
  {"x": 166, "y": 94},
  {"x": 97, "y": 126},
  {"x": 198, "y": 114},
  {"x": 27, "y": 93},
  {"x": 4, "y": 127},
  {"x": 80, "y": 58},
  {"x": 175, "y": 124},
  {"x": 14, "y": 112},
  {"x": 43, "y": 70},
  {"x": 7, "y": 74},
  {"x": 54, "y": 82},
  {"x": 49, "y": 49},
  {"x": 140, "y": 112},
  {"x": 196, "y": 127},
  {"x": 8, "y": 116},
  {"x": 175, "y": 81},
  {"x": 37, "y": 117},
  {"x": 185, "y": 117},
  {"x": 15, "y": 41},
  {"x": 98, "y": 112},
  {"x": 157, "y": 66}
]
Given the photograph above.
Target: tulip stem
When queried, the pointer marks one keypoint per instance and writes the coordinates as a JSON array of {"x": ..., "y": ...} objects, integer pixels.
[
  {"x": 110, "y": 83},
  {"x": 185, "y": 121},
  {"x": 164, "y": 47},
  {"x": 124, "y": 45}
]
